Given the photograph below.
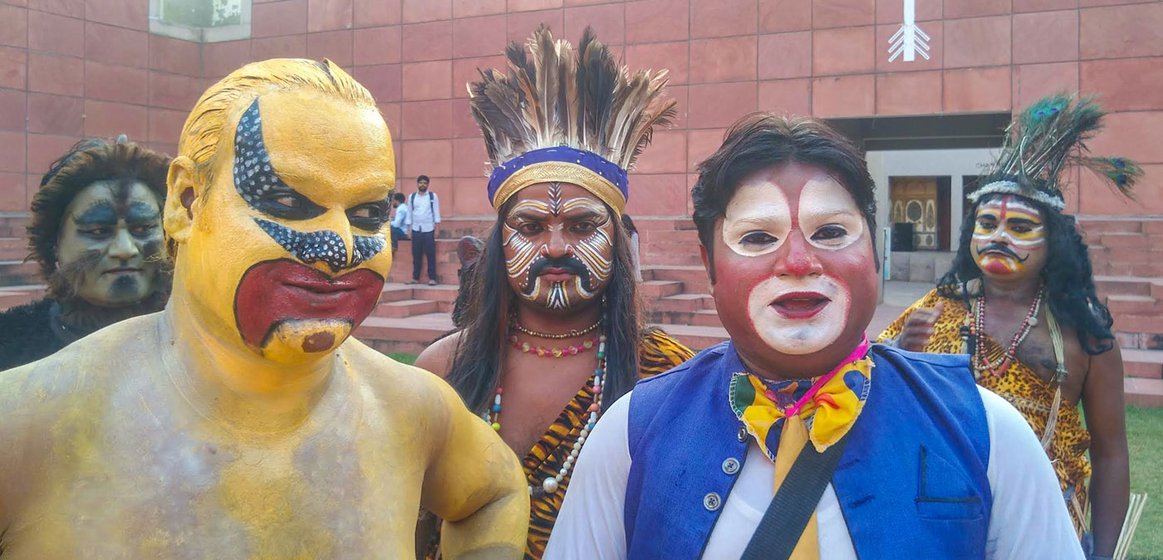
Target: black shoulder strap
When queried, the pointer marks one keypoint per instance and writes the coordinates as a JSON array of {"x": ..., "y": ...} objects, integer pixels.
[
  {"x": 778, "y": 532},
  {"x": 431, "y": 202}
]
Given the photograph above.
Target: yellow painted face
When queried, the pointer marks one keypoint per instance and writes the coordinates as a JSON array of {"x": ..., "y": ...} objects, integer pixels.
[
  {"x": 1009, "y": 238},
  {"x": 285, "y": 252}
]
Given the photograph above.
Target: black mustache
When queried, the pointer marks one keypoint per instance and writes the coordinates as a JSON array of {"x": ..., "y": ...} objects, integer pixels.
[
  {"x": 999, "y": 248},
  {"x": 568, "y": 263}
]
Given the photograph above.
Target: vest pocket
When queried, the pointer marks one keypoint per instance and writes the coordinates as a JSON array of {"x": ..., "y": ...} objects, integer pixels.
[{"x": 944, "y": 490}]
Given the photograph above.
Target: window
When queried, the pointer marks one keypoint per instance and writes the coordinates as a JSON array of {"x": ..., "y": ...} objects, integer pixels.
[{"x": 203, "y": 21}]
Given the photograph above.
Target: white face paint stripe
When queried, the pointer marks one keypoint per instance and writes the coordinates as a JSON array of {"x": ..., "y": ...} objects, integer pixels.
[{"x": 763, "y": 208}]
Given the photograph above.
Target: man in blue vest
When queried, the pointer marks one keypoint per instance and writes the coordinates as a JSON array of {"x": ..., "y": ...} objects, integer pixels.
[{"x": 869, "y": 451}]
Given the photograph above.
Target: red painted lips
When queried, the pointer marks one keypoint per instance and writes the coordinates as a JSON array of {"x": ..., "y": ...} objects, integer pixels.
[
  {"x": 800, "y": 305},
  {"x": 273, "y": 292}
]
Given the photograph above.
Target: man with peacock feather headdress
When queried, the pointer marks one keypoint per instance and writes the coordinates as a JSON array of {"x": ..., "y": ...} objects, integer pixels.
[
  {"x": 551, "y": 332},
  {"x": 1020, "y": 299}
]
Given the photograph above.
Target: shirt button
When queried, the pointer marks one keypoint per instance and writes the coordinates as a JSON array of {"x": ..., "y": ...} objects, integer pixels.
[
  {"x": 731, "y": 465},
  {"x": 742, "y": 435},
  {"x": 712, "y": 501}
]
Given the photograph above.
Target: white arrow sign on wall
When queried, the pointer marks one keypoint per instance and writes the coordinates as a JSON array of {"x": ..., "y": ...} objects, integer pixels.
[{"x": 909, "y": 40}]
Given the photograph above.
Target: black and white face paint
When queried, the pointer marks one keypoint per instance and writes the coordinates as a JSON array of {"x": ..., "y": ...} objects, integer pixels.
[{"x": 559, "y": 249}]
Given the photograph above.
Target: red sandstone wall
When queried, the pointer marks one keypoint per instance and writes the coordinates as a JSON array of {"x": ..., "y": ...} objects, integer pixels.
[{"x": 89, "y": 67}]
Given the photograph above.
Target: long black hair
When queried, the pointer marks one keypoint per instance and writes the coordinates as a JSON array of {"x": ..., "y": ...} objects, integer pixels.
[
  {"x": 1067, "y": 276},
  {"x": 480, "y": 351}
]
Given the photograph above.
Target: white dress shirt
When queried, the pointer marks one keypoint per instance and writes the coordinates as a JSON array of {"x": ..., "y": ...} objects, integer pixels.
[{"x": 1028, "y": 520}]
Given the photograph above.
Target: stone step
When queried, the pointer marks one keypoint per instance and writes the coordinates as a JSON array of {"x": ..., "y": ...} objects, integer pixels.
[
  {"x": 654, "y": 289},
  {"x": 1128, "y": 240},
  {"x": 700, "y": 318},
  {"x": 695, "y": 337},
  {"x": 1124, "y": 285},
  {"x": 1138, "y": 323},
  {"x": 13, "y": 248},
  {"x": 395, "y": 292},
  {"x": 1120, "y": 304},
  {"x": 1143, "y": 392},
  {"x": 681, "y": 302},
  {"x": 410, "y": 335},
  {"x": 1098, "y": 226},
  {"x": 685, "y": 257},
  {"x": 694, "y": 277},
  {"x": 14, "y": 225},
  {"x": 1142, "y": 270},
  {"x": 1146, "y": 364},
  {"x": 440, "y": 293},
  {"x": 670, "y": 244},
  {"x": 406, "y": 308},
  {"x": 447, "y": 263},
  {"x": 684, "y": 237},
  {"x": 17, "y": 273},
  {"x": 1124, "y": 255},
  {"x": 10, "y": 298}
]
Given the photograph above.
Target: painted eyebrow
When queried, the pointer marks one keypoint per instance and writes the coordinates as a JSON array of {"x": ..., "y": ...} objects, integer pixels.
[
  {"x": 761, "y": 220},
  {"x": 583, "y": 214},
  {"x": 1024, "y": 221},
  {"x": 100, "y": 213},
  {"x": 141, "y": 212},
  {"x": 529, "y": 214},
  {"x": 831, "y": 212}
]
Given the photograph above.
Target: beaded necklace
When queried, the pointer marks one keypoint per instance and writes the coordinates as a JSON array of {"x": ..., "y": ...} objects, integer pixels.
[
  {"x": 597, "y": 383},
  {"x": 553, "y": 336},
  {"x": 553, "y": 351},
  {"x": 981, "y": 362}
]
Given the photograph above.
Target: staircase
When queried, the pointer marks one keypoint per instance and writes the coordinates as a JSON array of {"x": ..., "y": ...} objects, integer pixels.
[{"x": 1127, "y": 256}]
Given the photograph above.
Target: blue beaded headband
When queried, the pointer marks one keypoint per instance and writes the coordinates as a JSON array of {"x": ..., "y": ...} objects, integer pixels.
[{"x": 563, "y": 164}]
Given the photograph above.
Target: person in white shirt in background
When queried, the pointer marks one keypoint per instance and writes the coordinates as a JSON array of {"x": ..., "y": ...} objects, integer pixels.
[
  {"x": 399, "y": 220},
  {"x": 423, "y": 215}
]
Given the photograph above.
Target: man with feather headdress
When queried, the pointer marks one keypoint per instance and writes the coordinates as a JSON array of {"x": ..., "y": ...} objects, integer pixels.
[
  {"x": 1020, "y": 300},
  {"x": 552, "y": 333}
]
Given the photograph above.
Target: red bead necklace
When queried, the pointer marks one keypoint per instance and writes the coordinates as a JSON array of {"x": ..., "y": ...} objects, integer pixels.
[{"x": 981, "y": 362}]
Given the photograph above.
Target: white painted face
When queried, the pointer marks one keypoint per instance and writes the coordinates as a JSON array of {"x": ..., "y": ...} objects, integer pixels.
[{"x": 797, "y": 306}]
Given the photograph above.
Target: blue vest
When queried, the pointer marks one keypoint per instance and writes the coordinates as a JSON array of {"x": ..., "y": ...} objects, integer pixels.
[{"x": 911, "y": 483}]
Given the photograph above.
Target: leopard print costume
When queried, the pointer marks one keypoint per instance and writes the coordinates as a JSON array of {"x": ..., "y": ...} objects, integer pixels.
[
  {"x": 1026, "y": 391},
  {"x": 658, "y": 353}
]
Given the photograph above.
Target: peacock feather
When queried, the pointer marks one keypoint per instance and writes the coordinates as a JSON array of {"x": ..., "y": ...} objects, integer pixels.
[{"x": 1046, "y": 138}]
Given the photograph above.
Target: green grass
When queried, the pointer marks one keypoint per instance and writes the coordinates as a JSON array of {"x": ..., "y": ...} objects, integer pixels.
[
  {"x": 1145, "y": 437},
  {"x": 402, "y": 357}
]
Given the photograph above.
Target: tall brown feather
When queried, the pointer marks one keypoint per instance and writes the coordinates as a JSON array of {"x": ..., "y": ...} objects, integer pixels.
[{"x": 553, "y": 94}]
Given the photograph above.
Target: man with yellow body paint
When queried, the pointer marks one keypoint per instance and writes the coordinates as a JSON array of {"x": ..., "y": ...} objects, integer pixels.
[{"x": 241, "y": 421}]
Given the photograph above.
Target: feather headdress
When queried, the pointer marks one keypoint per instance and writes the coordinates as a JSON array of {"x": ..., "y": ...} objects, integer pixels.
[
  {"x": 557, "y": 114},
  {"x": 1043, "y": 140}
]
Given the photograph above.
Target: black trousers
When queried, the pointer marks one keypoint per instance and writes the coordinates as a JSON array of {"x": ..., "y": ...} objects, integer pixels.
[{"x": 423, "y": 245}]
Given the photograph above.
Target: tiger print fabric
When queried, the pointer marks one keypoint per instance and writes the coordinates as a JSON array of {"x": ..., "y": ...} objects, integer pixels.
[
  {"x": 658, "y": 353},
  {"x": 1028, "y": 393}
]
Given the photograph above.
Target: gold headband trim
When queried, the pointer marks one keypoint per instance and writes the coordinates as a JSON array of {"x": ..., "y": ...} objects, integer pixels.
[{"x": 561, "y": 172}]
